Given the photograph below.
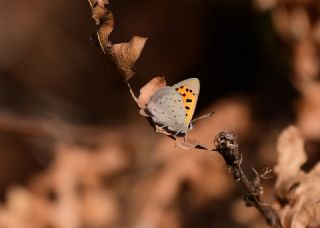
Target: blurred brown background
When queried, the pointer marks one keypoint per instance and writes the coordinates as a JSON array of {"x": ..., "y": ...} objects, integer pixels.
[{"x": 76, "y": 153}]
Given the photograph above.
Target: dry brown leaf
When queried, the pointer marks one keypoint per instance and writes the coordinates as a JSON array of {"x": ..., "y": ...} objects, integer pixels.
[
  {"x": 303, "y": 207},
  {"x": 291, "y": 154},
  {"x": 149, "y": 89},
  {"x": 92, "y": 2},
  {"x": 124, "y": 55},
  {"x": 104, "y": 20},
  {"x": 298, "y": 192}
]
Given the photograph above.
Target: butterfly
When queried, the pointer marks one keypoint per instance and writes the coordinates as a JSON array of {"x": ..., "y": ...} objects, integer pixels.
[{"x": 172, "y": 107}]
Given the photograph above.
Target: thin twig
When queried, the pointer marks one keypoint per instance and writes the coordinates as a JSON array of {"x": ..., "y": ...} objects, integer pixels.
[{"x": 226, "y": 145}]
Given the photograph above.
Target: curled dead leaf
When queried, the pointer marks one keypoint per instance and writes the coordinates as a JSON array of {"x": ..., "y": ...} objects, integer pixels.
[
  {"x": 298, "y": 192},
  {"x": 149, "y": 89},
  {"x": 303, "y": 201},
  {"x": 123, "y": 55},
  {"x": 126, "y": 54},
  {"x": 104, "y": 20},
  {"x": 93, "y": 2}
]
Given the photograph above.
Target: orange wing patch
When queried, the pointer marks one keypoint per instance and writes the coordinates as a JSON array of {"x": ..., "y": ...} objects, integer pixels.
[{"x": 189, "y": 101}]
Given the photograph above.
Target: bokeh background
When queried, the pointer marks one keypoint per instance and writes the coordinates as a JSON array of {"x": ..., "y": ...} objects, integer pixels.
[{"x": 76, "y": 153}]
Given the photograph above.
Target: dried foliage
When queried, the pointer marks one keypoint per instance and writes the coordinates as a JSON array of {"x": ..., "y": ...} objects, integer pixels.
[
  {"x": 297, "y": 191},
  {"x": 126, "y": 176},
  {"x": 298, "y": 24},
  {"x": 74, "y": 192},
  {"x": 124, "y": 55},
  {"x": 147, "y": 91}
]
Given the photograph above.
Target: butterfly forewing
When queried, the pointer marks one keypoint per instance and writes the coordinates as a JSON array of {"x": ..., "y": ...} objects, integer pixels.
[{"x": 189, "y": 91}]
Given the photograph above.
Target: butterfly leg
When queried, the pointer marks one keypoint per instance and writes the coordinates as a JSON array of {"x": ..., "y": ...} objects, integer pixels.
[
  {"x": 177, "y": 133},
  {"x": 184, "y": 137},
  {"x": 163, "y": 126}
]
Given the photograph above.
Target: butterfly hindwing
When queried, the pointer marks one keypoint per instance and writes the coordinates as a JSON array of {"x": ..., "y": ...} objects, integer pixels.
[{"x": 166, "y": 107}]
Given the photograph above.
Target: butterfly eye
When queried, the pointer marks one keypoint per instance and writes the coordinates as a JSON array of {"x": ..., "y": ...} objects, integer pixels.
[{"x": 190, "y": 126}]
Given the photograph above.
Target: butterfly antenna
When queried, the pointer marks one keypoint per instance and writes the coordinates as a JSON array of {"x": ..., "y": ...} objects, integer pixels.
[{"x": 202, "y": 117}]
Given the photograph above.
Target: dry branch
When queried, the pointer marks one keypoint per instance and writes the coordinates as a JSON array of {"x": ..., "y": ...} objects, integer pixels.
[{"x": 227, "y": 146}]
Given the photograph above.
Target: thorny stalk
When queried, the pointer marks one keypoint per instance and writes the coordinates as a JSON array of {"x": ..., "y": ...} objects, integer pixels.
[{"x": 226, "y": 145}]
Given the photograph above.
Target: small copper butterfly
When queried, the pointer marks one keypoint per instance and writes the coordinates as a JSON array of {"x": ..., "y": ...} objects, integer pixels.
[{"x": 172, "y": 107}]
